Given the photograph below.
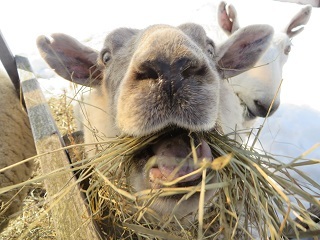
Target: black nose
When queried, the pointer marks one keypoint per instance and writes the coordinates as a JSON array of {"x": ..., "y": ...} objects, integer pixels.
[
  {"x": 172, "y": 74},
  {"x": 262, "y": 109}
]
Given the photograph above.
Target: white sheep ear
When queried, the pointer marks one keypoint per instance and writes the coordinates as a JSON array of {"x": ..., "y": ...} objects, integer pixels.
[
  {"x": 228, "y": 18},
  {"x": 297, "y": 23},
  {"x": 243, "y": 49}
]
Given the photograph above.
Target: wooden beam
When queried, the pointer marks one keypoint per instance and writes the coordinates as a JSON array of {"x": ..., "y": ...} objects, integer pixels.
[
  {"x": 71, "y": 216},
  {"x": 9, "y": 63}
]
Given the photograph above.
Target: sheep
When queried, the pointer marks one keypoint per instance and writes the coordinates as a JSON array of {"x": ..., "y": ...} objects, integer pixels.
[
  {"x": 258, "y": 86},
  {"x": 162, "y": 76},
  {"x": 16, "y": 144}
]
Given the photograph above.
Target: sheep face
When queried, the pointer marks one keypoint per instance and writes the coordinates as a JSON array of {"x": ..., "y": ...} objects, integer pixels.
[
  {"x": 159, "y": 77},
  {"x": 259, "y": 87},
  {"x": 168, "y": 76}
]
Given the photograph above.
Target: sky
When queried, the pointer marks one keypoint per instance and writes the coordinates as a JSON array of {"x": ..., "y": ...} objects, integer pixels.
[
  {"x": 22, "y": 21},
  {"x": 292, "y": 130}
]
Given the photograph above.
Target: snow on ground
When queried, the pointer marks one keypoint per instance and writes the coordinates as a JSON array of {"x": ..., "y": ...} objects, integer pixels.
[{"x": 293, "y": 129}]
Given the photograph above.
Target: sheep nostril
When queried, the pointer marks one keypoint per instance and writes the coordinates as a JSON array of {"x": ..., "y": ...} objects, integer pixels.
[
  {"x": 257, "y": 103},
  {"x": 262, "y": 109},
  {"x": 147, "y": 72},
  {"x": 194, "y": 71}
]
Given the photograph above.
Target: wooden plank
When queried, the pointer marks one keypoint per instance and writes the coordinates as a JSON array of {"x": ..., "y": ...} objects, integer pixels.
[
  {"x": 9, "y": 63},
  {"x": 71, "y": 216}
]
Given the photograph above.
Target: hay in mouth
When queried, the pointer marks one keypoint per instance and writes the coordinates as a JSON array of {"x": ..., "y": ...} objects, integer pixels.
[
  {"x": 171, "y": 159},
  {"x": 252, "y": 190}
]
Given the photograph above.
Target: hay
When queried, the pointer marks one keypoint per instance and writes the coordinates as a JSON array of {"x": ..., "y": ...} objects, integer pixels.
[
  {"x": 254, "y": 190},
  {"x": 32, "y": 222},
  {"x": 62, "y": 112},
  {"x": 253, "y": 195}
]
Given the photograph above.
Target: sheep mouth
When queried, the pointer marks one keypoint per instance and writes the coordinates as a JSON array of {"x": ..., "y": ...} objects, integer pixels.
[{"x": 170, "y": 162}]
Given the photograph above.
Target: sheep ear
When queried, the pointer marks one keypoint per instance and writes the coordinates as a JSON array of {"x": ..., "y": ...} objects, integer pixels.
[
  {"x": 243, "y": 49},
  {"x": 297, "y": 23},
  {"x": 70, "y": 59},
  {"x": 228, "y": 19}
]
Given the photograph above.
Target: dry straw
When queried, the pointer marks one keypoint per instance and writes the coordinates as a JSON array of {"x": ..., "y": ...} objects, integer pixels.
[{"x": 256, "y": 195}]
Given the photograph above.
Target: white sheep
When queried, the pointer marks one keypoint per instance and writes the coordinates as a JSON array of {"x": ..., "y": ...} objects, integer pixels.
[
  {"x": 258, "y": 87},
  {"x": 147, "y": 80},
  {"x": 16, "y": 144}
]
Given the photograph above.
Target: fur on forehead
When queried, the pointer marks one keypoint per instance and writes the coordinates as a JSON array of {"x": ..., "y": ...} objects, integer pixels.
[
  {"x": 195, "y": 31},
  {"x": 118, "y": 38},
  {"x": 122, "y": 36}
]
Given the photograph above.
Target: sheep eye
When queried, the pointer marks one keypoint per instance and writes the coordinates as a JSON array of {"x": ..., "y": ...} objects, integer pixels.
[
  {"x": 210, "y": 49},
  {"x": 210, "y": 52},
  {"x": 287, "y": 50},
  {"x": 106, "y": 57}
]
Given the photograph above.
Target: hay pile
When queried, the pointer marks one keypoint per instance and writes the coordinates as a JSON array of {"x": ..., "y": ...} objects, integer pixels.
[{"x": 32, "y": 222}]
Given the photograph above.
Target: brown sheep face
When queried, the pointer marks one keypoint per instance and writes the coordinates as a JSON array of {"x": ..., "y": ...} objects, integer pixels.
[
  {"x": 170, "y": 81},
  {"x": 158, "y": 78},
  {"x": 169, "y": 75}
]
